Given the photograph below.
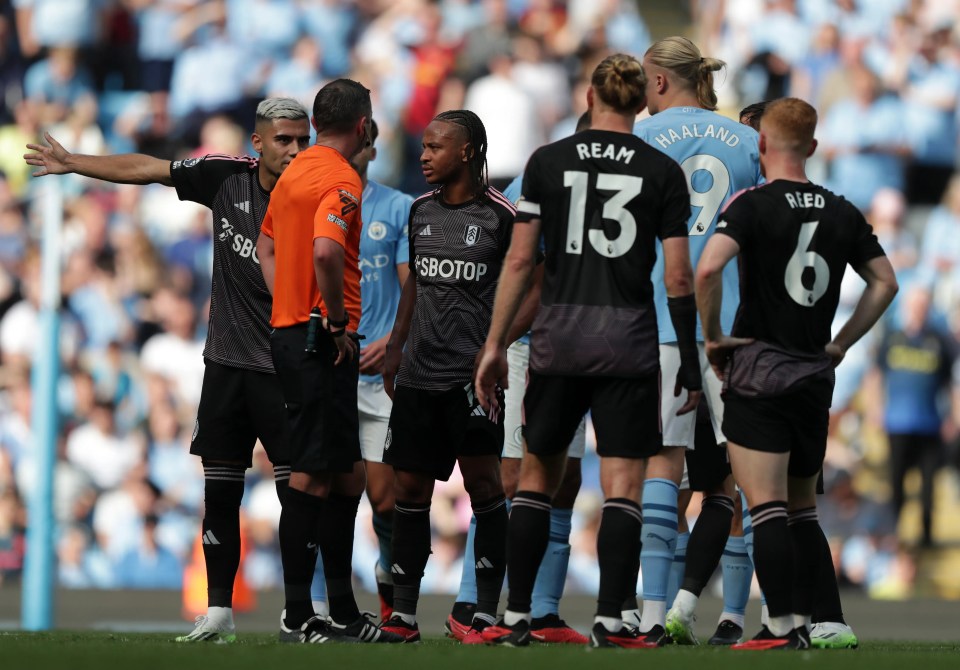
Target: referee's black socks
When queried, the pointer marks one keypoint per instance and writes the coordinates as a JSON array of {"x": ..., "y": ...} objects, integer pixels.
[
  {"x": 490, "y": 552},
  {"x": 528, "y": 534},
  {"x": 299, "y": 525},
  {"x": 337, "y": 523}
]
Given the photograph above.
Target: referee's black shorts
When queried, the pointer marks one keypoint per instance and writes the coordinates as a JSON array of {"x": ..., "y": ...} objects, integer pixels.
[
  {"x": 795, "y": 422},
  {"x": 625, "y": 412},
  {"x": 237, "y": 406},
  {"x": 429, "y": 430},
  {"x": 321, "y": 402}
]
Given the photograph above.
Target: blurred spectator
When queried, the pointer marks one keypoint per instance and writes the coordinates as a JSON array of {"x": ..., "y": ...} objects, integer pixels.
[
  {"x": 932, "y": 90},
  {"x": 298, "y": 77},
  {"x": 98, "y": 450},
  {"x": 12, "y": 526},
  {"x": 809, "y": 75},
  {"x": 11, "y": 66},
  {"x": 213, "y": 76},
  {"x": 149, "y": 565},
  {"x": 491, "y": 37},
  {"x": 864, "y": 138},
  {"x": 433, "y": 61},
  {"x": 56, "y": 23},
  {"x": 886, "y": 213},
  {"x": 80, "y": 563},
  {"x": 514, "y": 128},
  {"x": 940, "y": 251},
  {"x": 13, "y": 138},
  {"x": 331, "y": 23},
  {"x": 158, "y": 44},
  {"x": 175, "y": 354},
  {"x": 56, "y": 84},
  {"x": 170, "y": 466},
  {"x": 20, "y": 326},
  {"x": 917, "y": 361}
]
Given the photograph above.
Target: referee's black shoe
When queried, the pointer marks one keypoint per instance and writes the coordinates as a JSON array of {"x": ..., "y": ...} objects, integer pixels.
[
  {"x": 314, "y": 630},
  {"x": 362, "y": 629}
]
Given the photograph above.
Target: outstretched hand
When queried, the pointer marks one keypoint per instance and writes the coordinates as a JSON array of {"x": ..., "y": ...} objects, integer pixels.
[
  {"x": 719, "y": 351},
  {"x": 50, "y": 159}
]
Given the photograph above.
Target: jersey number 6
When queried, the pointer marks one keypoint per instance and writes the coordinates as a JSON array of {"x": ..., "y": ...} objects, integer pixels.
[
  {"x": 625, "y": 189},
  {"x": 802, "y": 259}
]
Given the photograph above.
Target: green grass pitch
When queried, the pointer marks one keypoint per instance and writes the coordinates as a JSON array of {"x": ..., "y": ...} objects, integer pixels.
[{"x": 109, "y": 651}]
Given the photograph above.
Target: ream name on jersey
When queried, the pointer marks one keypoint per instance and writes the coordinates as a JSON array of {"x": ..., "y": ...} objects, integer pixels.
[
  {"x": 697, "y": 131},
  {"x": 428, "y": 266}
]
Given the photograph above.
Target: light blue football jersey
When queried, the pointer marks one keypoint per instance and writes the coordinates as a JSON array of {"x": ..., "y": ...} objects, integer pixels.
[
  {"x": 719, "y": 157},
  {"x": 383, "y": 246}
]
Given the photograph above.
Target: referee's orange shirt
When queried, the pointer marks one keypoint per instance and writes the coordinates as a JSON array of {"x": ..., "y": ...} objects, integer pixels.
[{"x": 318, "y": 195}]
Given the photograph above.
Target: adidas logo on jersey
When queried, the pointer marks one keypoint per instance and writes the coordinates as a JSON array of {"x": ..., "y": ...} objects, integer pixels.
[
  {"x": 209, "y": 538},
  {"x": 425, "y": 232},
  {"x": 243, "y": 206},
  {"x": 484, "y": 563}
]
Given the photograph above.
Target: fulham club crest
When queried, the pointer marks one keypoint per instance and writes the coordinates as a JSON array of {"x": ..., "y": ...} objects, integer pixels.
[{"x": 472, "y": 235}]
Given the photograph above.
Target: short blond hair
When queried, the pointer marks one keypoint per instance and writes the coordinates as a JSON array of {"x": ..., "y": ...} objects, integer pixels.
[
  {"x": 683, "y": 59},
  {"x": 620, "y": 82},
  {"x": 789, "y": 124}
]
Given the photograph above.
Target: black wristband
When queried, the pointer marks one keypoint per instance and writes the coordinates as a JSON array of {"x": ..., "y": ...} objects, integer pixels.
[
  {"x": 338, "y": 332},
  {"x": 336, "y": 325},
  {"x": 683, "y": 314}
]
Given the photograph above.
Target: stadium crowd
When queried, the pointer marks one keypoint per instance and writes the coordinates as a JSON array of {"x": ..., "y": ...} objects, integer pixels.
[{"x": 181, "y": 78}]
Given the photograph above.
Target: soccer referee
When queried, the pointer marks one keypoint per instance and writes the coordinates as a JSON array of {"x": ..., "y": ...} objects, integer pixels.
[{"x": 309, "y": 247}]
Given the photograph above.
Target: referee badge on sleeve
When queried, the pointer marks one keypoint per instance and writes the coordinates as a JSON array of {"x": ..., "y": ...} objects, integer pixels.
[{"x": 472, "y": 235}]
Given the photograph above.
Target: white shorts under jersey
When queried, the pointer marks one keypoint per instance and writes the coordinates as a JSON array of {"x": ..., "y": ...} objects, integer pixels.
[
  {"x": 373, "y": 406},
  {"x": 518, "y": 358},
  {"x": 679, "y": 431}
]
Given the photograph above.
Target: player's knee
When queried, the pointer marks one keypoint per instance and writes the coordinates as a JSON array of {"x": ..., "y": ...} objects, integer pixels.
[
  {"x": 570, "y": 486},
  {"x": 483, "y": 487},
  {"x": 412, "y": 487},
  {"x": 510, "y": 476}
]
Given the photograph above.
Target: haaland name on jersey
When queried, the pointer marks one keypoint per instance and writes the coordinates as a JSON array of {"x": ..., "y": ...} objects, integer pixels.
[
  {"x": 720, "y": 133},
  {"x": 599, "y": 150},
  {"x": 428, "y": 266}
]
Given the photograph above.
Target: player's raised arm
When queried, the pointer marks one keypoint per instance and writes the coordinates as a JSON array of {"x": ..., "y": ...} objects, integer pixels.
[{"x": 120, "y": 169}]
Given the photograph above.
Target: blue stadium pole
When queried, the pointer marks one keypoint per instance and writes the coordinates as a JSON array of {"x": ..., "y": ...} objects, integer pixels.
[{"x": 38, "y": 573}]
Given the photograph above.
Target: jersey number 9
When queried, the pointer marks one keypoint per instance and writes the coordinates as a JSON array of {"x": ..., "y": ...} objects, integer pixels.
[{"x": 708, "y": 201}]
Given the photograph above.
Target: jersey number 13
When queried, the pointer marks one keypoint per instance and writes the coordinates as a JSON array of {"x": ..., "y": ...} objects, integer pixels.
[{"x": 625, "y": 188}]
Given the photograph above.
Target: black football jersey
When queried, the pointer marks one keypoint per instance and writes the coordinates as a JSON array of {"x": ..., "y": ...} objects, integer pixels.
[
  {"x": 456, "y": 252},
  {"x": 238, "y": 334},
  {"x": 796, "y": 240},
  {"x": 603, "y": 198}
]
